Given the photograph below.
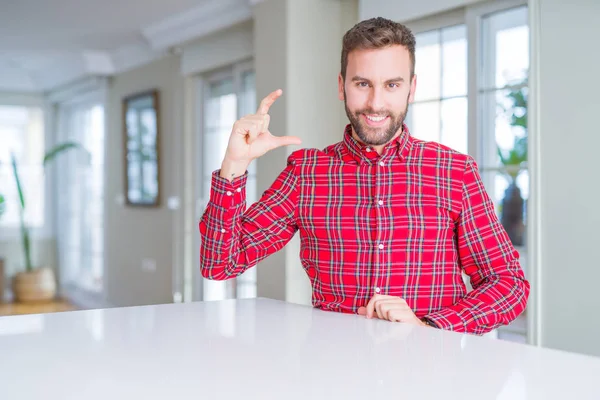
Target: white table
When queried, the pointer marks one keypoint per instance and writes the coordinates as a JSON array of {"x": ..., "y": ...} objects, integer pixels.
[{"x": 266, "y": 349}]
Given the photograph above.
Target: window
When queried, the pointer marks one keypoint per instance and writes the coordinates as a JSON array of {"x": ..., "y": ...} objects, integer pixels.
[
  {"x": 81, "y": 198},
  {"x": 503, "y": 103},
  {"x": 472, "y": 68},
  {"x": 439, "y": 112},
  {"x": 22, "y": 133},
  {"x": 227, "y": 96}
]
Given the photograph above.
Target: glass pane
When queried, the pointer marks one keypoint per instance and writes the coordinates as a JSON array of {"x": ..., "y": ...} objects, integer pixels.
[
  {"x": 80, "y": 201},
  {"x": 504, "y": 124},
  {"x": 222, "y": 108},
  {"x": 454, "y": 61},
  {"x": 22, "y": 134},
  {"x": 454, "y": 124},
  {"x": 428, "y": 66},
  {"x": 251, "y": 195},
  {"x": 215, "y": 145},
  {"x": 221, "y": 88},
  {"x": 214, "y": 290},
  {"x": 510, "y": 197},
  {"x": 247, "y": 103},
  {"x": 506, "y": 48},
  {"x": 219, "y": 117},
  {"x": 221, "y": 105},
  {"x": 246, "y": 290},
  {"x": 425, "y": 122}
]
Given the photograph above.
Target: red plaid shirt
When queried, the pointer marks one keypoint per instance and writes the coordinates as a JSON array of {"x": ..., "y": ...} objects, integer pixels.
[{"x": 404, "y": 223}]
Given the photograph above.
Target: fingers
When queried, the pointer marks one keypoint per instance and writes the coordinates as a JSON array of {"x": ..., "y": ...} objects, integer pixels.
[
  {"x": 268, "y": 101},
  {"x": 251, "y": 126},
  {"x": 371, "y": 306},
  {"x": 391, "y": 308}
]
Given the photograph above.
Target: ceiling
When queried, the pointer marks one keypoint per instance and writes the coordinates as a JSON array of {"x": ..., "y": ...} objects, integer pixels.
[{"x": 45, "y": 44}]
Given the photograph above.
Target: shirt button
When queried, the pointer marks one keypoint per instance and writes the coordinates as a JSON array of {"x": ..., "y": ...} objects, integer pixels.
[
  {"x": 238, "y": 190},
  {"x": 380, "y": 247},
  {"x": 223, "y": 231},
  {"x": 382, "y": 163},
  {"x": 377, "y": 290},
  {"x": 228, "y": 193},
  {"x": 380, "y": 202},
  {"x": 368, "y": 149}
]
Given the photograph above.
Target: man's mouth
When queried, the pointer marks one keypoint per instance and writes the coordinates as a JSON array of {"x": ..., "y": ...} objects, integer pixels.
[{"x": 375, "y": 119}]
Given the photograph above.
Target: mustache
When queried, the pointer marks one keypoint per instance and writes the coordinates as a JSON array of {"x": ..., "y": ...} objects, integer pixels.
[{"x": 373, "y": 112}]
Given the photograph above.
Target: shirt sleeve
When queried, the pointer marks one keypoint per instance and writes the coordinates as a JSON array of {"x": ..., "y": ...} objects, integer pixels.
[
  {"x": 234, "y": 239},
  {"x": 500, "y": 290}
]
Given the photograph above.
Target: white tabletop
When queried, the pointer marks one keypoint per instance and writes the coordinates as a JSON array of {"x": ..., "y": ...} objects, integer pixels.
[{"x": 266, "y": 349}]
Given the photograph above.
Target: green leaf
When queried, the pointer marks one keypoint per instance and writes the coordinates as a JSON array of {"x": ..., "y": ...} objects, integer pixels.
[
  {"x": 13, "y": 161},
  {"x": 2, "y": 204},
  {"x": 60, "y": 148},
  {"x": 24, "y": 230}
]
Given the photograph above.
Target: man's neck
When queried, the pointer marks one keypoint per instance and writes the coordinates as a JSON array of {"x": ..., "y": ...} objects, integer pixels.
[{"x": 377, "y": 148}]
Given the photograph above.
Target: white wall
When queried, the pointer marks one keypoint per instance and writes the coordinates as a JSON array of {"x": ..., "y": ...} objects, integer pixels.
[
  {"x": 305, "y": 63},
  {"x": 568, "y": 104},
  {"x": 271, "y": 63},
  {"x": 135, "y": 234},
  {"x": 218, "y": 50}
]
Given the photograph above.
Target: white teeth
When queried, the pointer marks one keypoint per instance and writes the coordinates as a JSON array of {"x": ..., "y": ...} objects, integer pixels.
[{"x": 375, "y": 119}]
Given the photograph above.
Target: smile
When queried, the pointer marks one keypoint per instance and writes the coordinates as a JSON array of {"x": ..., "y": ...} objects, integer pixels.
[{"x": 375, "y": 120}]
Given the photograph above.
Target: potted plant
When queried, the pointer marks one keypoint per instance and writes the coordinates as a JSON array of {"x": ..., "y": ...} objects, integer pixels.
[
  {"x": 513, "y": 161},
  {"x": 35, "y": 283}
]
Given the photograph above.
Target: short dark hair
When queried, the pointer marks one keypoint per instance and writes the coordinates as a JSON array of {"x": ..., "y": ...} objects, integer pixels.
[{"x": 377, "y": 33}]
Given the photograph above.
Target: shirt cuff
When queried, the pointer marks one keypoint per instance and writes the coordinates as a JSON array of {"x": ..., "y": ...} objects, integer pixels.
[
  {"x": 226, "y": 194},
  {"x": 445, "y": 318}
]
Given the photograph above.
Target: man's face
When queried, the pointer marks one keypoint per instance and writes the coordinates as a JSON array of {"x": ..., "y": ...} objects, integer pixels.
[{"x": 376, "y": 92}]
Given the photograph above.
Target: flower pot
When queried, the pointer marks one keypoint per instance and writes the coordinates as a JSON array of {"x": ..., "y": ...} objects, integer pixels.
[
  {"x": 513, "y": 207},
  {"x": 38, "y": 285}
]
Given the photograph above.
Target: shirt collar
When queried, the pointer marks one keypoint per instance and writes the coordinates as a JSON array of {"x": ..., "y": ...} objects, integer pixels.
[{"x": 397, "y": 149}]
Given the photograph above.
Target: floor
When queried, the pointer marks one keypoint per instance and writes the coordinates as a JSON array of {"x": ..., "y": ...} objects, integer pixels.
[{"x": 10, "y": 308}]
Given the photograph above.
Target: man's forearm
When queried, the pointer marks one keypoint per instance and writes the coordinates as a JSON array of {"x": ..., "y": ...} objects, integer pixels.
[
  {"x": 233, "y": 169},
  {"x": 497, "y": 301},
  {"x": 220, "y": 228}
]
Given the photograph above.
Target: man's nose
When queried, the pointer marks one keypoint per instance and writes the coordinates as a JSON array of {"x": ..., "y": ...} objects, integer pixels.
[{"x": 376, "y": 99}]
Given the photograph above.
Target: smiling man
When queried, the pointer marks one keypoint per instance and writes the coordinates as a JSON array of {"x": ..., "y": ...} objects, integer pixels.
[{"x": 387, "y": 223}]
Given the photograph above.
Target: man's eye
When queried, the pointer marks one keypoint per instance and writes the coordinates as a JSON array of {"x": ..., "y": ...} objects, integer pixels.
[
  {"x": 362, "y": 84},
  {"x": 394, "y": 85}
]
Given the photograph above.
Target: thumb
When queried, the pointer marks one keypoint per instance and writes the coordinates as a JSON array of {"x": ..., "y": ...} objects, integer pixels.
[
  {"x": 278, "y": 141},
  {"x": 362, "y": 311}
]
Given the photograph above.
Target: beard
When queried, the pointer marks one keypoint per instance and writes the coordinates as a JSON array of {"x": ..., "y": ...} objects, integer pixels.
[{"x": 375, "y": 136}]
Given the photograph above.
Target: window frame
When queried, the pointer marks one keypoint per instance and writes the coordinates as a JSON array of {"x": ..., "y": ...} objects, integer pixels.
[
  {"x": 91, "y": 92},
  {"x": 472, "y": 16},
  {"x": 200, "y": 87}
]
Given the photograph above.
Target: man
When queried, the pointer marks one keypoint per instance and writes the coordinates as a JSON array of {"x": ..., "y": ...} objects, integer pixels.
[{"x": 387, "y": 222}]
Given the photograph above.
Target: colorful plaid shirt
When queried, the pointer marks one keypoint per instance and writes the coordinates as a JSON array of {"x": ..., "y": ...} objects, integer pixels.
[{"x": 405, "y": 223}]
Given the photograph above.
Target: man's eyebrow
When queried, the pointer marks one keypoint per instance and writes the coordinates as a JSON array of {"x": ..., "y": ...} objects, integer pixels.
[
  {"x": 398, "y": 79},
  {"x": 360, "y": 78}
]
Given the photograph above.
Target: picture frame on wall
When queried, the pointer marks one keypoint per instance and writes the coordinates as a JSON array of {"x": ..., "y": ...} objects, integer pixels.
[{"x": 141, "y": 141}]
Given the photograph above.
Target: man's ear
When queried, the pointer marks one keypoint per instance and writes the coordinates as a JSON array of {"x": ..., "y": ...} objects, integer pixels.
[
  {"x": 340, "y": 87},
  {"x": 413, "y": 88}
]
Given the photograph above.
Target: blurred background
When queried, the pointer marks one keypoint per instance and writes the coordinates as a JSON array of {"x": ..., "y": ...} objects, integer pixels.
[{"x": 113, "y": 115}]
